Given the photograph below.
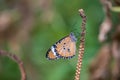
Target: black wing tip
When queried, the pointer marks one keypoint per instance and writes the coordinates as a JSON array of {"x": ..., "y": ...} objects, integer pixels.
[
  {"x": 48, "y": 56},
  {"x": 47, "y": 53}
]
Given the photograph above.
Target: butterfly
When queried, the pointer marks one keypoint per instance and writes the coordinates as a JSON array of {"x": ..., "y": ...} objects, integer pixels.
[{"x": 65, "y": 48}]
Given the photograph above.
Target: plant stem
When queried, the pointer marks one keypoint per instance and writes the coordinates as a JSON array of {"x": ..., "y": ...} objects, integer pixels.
[{"x": 81, "y": 46}]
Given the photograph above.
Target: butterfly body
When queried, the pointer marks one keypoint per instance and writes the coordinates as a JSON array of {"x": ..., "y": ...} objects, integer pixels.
[{"x": 64, "y": 48}]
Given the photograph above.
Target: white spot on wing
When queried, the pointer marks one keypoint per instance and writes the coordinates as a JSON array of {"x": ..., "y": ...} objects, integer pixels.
[{"x": 53, "y": 50}]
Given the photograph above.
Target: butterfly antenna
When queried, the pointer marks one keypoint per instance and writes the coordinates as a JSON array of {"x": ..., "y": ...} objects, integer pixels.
[{"x": 82, "y": 44}]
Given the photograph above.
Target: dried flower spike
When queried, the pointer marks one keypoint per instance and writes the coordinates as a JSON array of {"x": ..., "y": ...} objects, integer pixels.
[{"x": 81, "y": 47}]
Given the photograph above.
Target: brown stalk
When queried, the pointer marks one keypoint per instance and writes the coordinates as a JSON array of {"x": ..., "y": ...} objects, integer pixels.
[
  {"x": 81, "y": 46},
  {"x": 107, "y": 23},
  {"x": 17, "y": 60}
]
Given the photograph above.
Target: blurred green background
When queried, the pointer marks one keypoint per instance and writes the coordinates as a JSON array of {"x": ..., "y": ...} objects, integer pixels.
[{"x": 51, "y": 20}]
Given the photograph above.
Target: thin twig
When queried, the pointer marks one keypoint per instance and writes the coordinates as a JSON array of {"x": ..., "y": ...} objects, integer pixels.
[
  {"x": 17, "y": 60},
  {"x": 81, "y": 47}
]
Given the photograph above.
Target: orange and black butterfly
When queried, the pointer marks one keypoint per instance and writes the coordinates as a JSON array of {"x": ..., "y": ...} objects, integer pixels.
[{"x": 64, "y": 48}]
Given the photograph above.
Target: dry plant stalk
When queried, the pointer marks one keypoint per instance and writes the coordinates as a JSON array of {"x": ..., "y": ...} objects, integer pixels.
[
  {"x": 17, "y": 60},
  {"x": 107, "y": 23},
  {"x": 82, "y": 44}
]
